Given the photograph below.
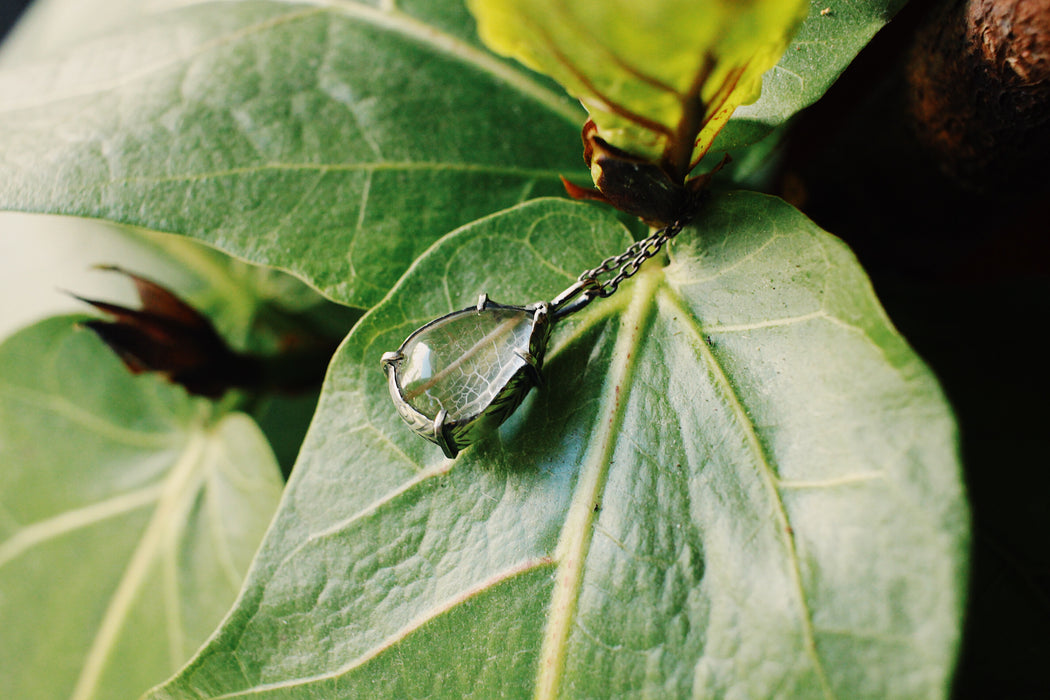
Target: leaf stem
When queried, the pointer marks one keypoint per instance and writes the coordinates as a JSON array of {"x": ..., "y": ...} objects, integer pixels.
[{"x": 679, "y": 151}]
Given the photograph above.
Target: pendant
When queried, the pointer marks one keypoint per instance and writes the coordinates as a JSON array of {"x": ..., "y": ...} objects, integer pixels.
[{"x": 463, "y": 374}]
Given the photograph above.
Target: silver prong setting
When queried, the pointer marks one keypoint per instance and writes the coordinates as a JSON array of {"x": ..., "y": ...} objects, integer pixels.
[
  {"x": 532, "y": 366},
  {"x": 441, "y": 437},
  {"x": 390, "y": 358},
  {"x": 452, "y": 428}
]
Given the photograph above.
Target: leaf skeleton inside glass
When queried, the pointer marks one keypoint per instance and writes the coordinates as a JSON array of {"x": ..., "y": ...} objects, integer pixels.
[{"x": 463, "y": 374}]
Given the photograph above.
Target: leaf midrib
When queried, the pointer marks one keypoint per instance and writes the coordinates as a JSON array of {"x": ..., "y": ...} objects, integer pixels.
[
  {"x": 357, "y": 166},
  {"x": 179, "y": 483},
  {"x": 574, "y": 542}
]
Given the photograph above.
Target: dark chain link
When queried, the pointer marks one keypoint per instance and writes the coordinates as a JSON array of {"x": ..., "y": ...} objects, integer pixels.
[{"x": 628, "y": 262}]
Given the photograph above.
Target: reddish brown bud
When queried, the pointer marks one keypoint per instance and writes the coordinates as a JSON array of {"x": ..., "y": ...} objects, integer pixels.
[
  {"x": 170, "y": 337},
  {"x": 635, "y": 185}
]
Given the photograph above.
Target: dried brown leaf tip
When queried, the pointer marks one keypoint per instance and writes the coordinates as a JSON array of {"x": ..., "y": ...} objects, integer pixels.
[{"x": 168, "y": 336}]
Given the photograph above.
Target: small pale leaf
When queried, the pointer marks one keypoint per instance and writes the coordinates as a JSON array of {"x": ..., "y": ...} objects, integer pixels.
[{"x": 128, "y": 520}]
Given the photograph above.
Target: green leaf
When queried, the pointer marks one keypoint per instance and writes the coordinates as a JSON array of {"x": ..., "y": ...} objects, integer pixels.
[
  {"x": 739, "y": 480},
  {"x": 623, "y": 60},
  {"x": 256, "y": 310},
  {"x": 127, "y": 518},
  {"x": 658, "y": 79},
  {"x": 336, "y": 141},
  {"x": 826, "y": 43}
]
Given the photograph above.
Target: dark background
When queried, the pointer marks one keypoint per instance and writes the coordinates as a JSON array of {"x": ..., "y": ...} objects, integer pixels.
[
  {"x": 966, "y": 278},
  {"x": 9, "y": 12}
]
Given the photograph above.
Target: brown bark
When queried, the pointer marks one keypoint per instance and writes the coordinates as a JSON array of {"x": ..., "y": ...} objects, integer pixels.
[{"x": 978, "y": 80}]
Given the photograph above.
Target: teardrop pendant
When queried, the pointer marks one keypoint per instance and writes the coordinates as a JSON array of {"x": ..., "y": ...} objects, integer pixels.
[{"x": 463, "y": 374}]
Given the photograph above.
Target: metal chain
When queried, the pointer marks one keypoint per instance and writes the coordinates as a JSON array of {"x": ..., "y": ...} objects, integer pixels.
[{"x": 629, "y": 261}]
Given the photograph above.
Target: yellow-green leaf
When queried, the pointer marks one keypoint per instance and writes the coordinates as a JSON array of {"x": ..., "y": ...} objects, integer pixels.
[{"x": 659, "y": 79}]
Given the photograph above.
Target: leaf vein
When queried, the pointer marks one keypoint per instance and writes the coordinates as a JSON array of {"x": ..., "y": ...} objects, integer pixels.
[
  {"x": 574, "y": 542},
  {"x": 388, "y": 497},
  {"x": 769, "y": 323},
  {"x": 680, "y": 282},
  {"x": 385, "y": 439},
  {"x": 323, "y": 168},
  {"x": 89, "y": 88},
  {"x": 175, "y": 487},
  {"x": 219, "y": 535},
  {"x": 387, "y": 18},
  {"x": 765, "y": 469},
  {"x": 392, "y": 19},
  {"x": 844, "y": 480},
  {"x": 170, "y": 587},
  {"x": 89, "y": 421},
  {"x": 45, "y": 530},
  {"x": 412, "y": 626}
]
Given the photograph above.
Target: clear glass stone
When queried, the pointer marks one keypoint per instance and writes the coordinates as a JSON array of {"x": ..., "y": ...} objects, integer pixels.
[{"x": 460, "y": 363}]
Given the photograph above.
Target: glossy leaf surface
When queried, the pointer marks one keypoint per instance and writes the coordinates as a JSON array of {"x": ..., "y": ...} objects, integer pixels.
[
  {"x": 738, "y": 480},
  {"x": 335, "y": 140},
  {"x": 129, "y": 518}
]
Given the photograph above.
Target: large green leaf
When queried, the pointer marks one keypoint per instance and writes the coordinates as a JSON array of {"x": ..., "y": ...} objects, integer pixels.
[
  {"x": 739, "y": 480},
  {"x": 337, "y": 141},
  {"x": 333, "y": 140},
  {"x": 128, "y": 518}
]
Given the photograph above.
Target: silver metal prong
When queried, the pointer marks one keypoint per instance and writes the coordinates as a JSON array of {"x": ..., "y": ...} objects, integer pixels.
[
  {"x": 441, "y": 437},
  {"x": 574, "y": 298},
  {"x": 389, "y": 358},
  {"x": 483, "y": 300},
  {"x": 533, "y": 367},
  {"x": 529, "y": 358}
]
